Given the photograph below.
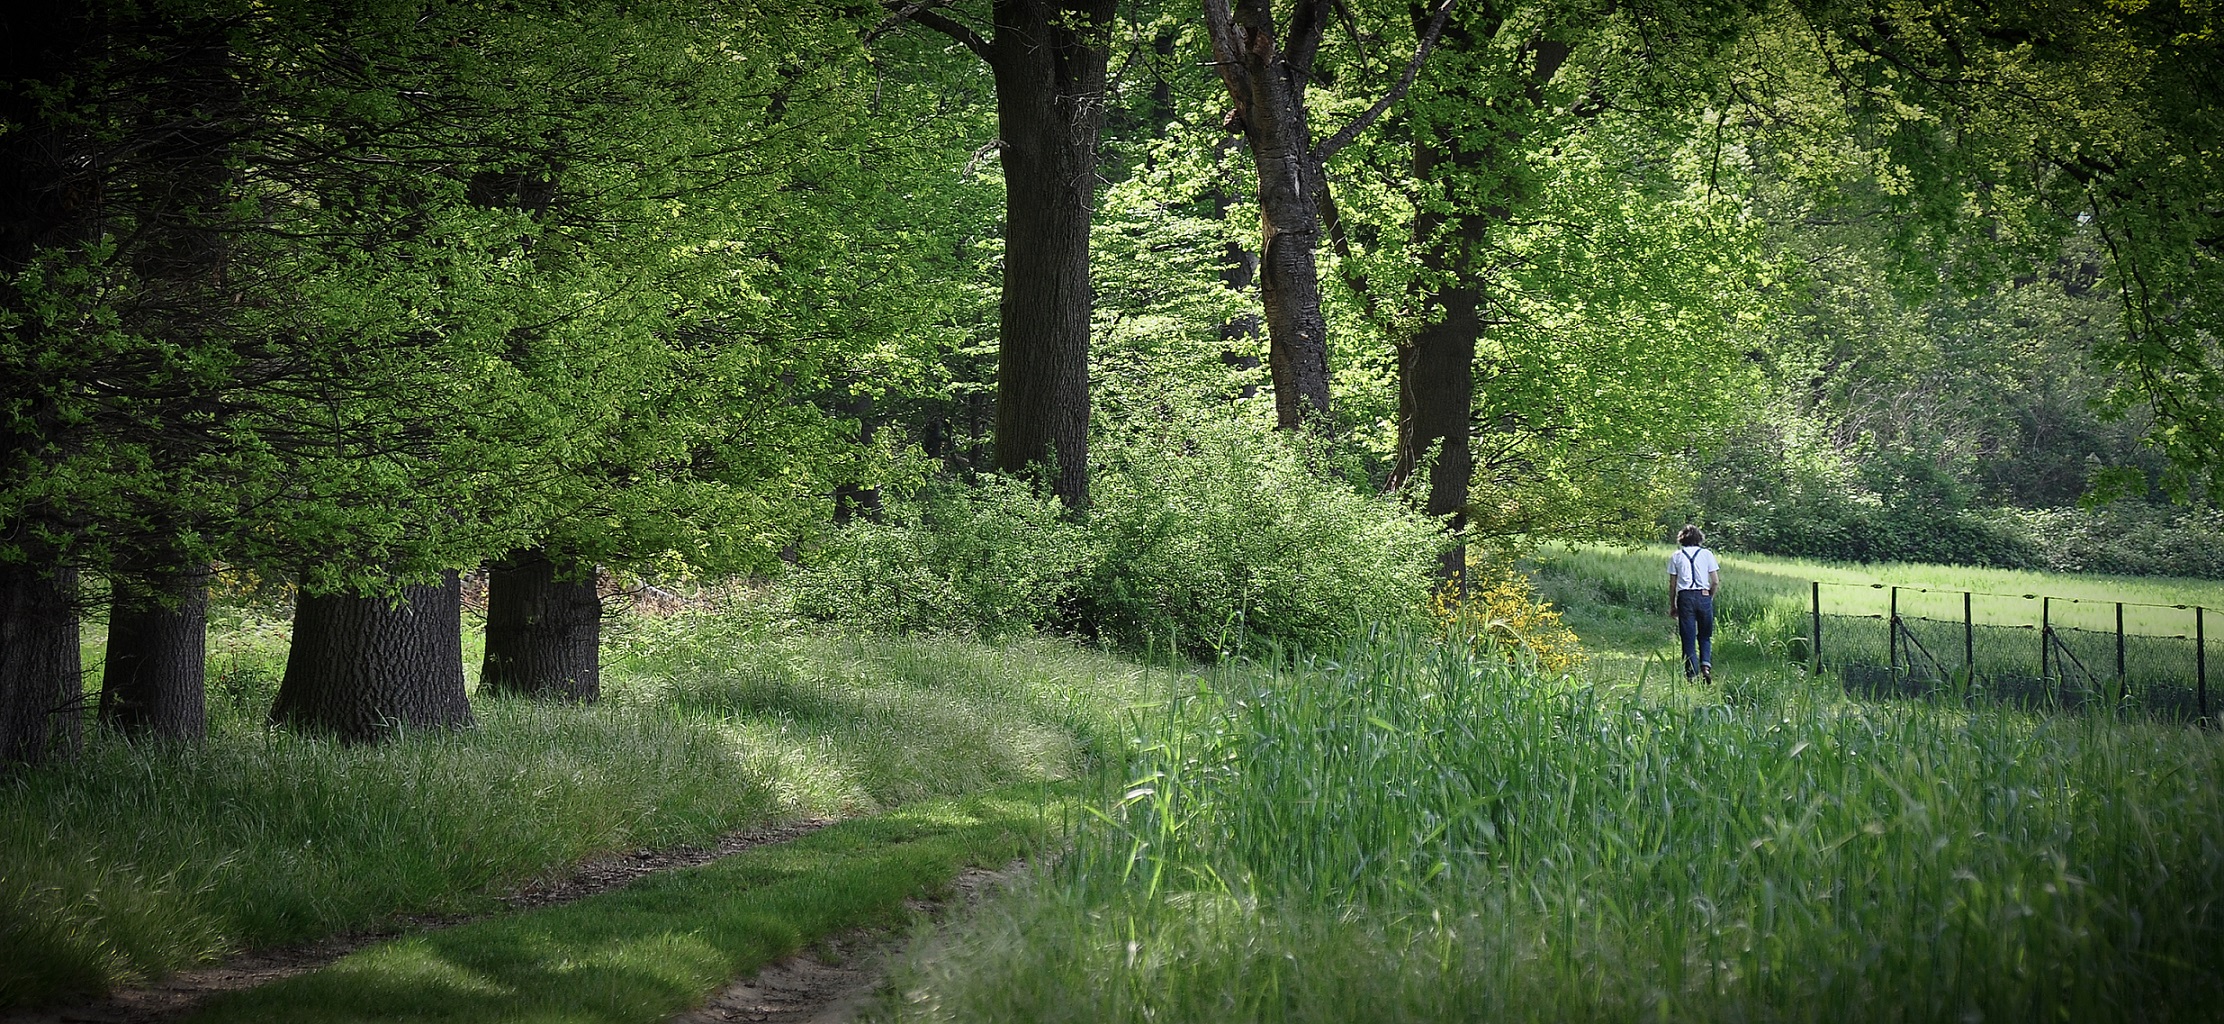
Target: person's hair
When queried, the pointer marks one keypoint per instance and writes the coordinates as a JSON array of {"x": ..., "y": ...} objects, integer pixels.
[{"x": 1691, "y": 534}]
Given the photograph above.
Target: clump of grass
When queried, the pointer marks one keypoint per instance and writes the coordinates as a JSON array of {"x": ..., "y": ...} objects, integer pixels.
[
  {"x": 139, "y": 859},
  {"x": 1412, "y": 832}
]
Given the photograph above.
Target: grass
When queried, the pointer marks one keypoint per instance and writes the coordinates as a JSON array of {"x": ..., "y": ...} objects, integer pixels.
[
  {"x": 1636, "y": 579},
  {"x": 1609, "y": 595},
  {"x": 1410, "y": 833},
  {"x": 655, "y": 948},
  {"x": 137, "y": 860}
]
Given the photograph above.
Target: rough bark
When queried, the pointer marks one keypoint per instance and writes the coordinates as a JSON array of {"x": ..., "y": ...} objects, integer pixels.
[
  {"x": 362, "y": 667},
  {"x": 543, "y": 632},
  {"x": 1266, "y": 81},
  {"x": 50, "y": 193},
  {"x": 154, "y": 680},
  {"x": 1049, "y": 61},
  {"x": 1436, "y": 370},
  {"x": 41, "y": 674}
]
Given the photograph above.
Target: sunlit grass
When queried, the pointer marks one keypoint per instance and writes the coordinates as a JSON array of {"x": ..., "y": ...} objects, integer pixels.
[
  {"x": 656, "y": 947},
  {"x": 140, "y": 859},
  {"x": 1412, "y": 833}
]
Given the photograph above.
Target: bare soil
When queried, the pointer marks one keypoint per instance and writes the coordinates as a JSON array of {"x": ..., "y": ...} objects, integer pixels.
[{"x": 173, "y": 997}]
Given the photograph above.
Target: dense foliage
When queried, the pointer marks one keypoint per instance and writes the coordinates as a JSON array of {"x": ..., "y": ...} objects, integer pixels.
[
  {"x": 1203, "y": 536},
  {"x": 374, "y": 294}
]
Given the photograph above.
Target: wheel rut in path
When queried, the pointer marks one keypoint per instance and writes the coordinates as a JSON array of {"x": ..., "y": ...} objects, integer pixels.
[
  {"x": 177, "y": 995},
  {"x": 836, "y": 981}
]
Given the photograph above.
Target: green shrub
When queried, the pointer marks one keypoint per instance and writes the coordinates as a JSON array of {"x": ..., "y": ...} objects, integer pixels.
[
  {"x": 990, "y": 560},
  {"x": 1205, "y": 534},
  {"x": 2125, "y": 539},
  {"x": 1215, "y": 534}
]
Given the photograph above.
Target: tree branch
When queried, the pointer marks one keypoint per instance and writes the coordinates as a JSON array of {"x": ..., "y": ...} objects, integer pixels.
[
  {"x": 1227, "y": 52},
  {"x": 928, "y": 13},
  {"x": 1351, "y": 131},
  {"x": 1307, "y": 25}
]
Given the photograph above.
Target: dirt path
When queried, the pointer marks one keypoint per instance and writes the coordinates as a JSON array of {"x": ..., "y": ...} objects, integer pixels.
[
  {"x": 174, "y": 997},
  {"x": 838, "y": 981}
]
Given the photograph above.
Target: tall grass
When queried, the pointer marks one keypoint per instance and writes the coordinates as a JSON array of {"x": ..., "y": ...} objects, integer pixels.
[
  {"x": 140, "y": 859},
  {"x": 1415, "y": 833}
]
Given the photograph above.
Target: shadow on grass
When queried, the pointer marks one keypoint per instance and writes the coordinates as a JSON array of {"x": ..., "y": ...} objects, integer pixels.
[{"x": 661, "y": 945}]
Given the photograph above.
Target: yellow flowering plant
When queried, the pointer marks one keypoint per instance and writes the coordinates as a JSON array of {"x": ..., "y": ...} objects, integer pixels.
[{"x": 1500, "y": 610}]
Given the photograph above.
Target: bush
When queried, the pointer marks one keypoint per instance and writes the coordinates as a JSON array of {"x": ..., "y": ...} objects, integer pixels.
[
  {"x": 2127, "y": 539},
  {"x": 1216, "y": 534},
  {"x": 988, "y": 560},
  {"x": 1501, "y": 611},
  {"x": 1207, "y": 535}
]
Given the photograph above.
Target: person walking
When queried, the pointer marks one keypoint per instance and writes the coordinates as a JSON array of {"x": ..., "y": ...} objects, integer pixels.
[{"x": 1693, "y": 575}]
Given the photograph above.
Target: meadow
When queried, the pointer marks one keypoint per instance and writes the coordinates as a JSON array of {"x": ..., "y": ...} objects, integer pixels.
[
  {"x": 1408, "y": 831},
  {"x": 1397, "y": 829}
]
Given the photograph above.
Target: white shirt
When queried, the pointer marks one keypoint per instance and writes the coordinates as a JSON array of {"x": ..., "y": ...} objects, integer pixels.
[{"x": 1692, "y": 567}]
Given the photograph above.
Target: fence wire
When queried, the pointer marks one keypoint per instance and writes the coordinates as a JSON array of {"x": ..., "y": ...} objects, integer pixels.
[{"x": 2025, "y": 649}]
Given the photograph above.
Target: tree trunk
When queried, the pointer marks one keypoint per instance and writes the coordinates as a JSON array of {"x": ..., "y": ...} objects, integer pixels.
[
  {"x": 154, "y": 682},
  {"x": 1436, "y": 373},
  {"x": 543, "y": 629},
  {"x": 50, "y": 195},
  {"x": 362, "y": 667},
  {"x": 1049, "y": 60},
  {"x": 1267, "y": 84},
  {"x": 41, "y": 674},
  {"x": 1436, "y": 368}
]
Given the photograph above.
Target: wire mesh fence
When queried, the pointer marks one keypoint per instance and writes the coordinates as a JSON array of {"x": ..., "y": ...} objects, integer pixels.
[{"x": 2030, "y": 649}]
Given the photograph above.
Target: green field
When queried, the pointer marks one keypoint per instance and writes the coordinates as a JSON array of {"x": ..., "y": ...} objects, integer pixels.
[
  {"x": 1615, "y": 598},
  {"x": 1409, "y": 833},
  {"x": 1400, "y": 830}
]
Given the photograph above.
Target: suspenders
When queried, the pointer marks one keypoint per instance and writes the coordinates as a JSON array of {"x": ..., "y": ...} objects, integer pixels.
[{"x": 1691, "y": 567}]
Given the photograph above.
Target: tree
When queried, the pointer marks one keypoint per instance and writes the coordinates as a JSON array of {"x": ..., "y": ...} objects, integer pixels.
[
  {"x": 1049, "y": 59},
  {"x": 2027, "y": 123},
  {"x": 1267, "y": 80},
  {"x": 362, "y": 667}
]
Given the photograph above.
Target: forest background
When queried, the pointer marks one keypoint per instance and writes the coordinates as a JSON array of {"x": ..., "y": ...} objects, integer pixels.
[{"x": 1148, "y": 323}]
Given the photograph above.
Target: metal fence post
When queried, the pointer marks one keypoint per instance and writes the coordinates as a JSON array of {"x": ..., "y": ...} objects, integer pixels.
[
  {"x": 1817, "y": 591},
  {"x": 2201, "y": 660},
  {"x": 1968, "y": 639},
  {"x": 1892, "y": 634},
  {"x": 2046, "y": 636},
  {"x": 2123, "y": 683}
]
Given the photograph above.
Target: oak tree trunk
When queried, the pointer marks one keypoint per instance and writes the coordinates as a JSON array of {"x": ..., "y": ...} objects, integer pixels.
[
  {"x": 1436, "y": 375},
  {"x": 363, "y": 667},
  {"x": 1267, "y": 85},
  {"x": 41, "y": 674},
  {"x": 154, "y": 682},
  {"x": 543, "y": 631},
  {"x": 50, "y": 193},
  {"x": 1436, "y": 368},
  {"x": 1049, "y": 61}
]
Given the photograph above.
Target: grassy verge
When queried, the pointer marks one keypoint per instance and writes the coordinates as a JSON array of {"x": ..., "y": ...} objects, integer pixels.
[
  {"x": 1409, "y": 833},
  {"x": 139, "y": 860},
  {"x": 658, "y": 946}
]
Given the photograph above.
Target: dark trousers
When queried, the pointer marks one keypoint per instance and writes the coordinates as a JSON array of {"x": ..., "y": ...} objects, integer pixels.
[{"x": 1695, "y": 621}]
